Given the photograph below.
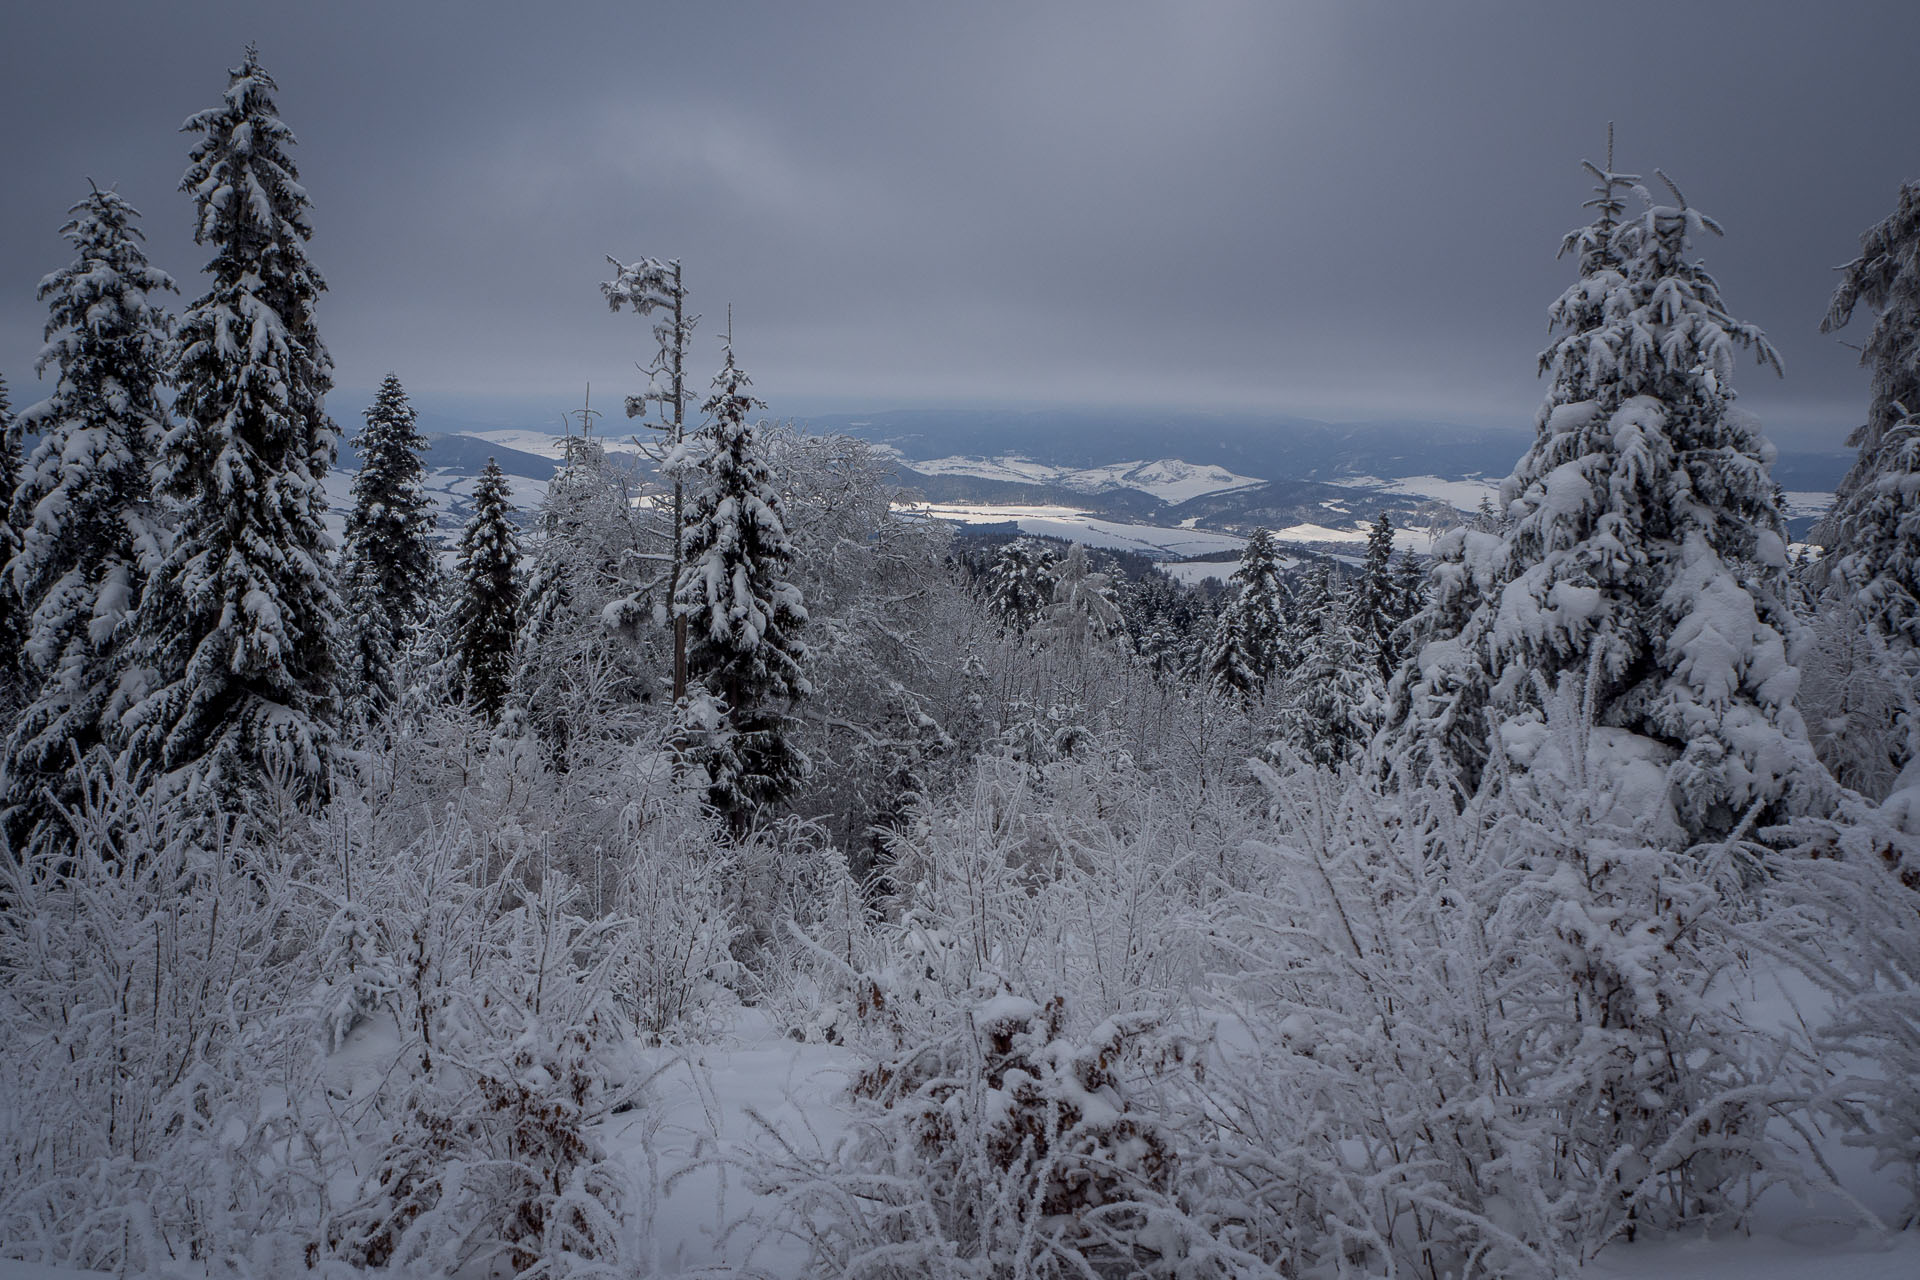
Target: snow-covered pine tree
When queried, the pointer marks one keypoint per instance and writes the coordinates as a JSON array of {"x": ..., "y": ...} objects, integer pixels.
[
  {"x": 1437, "y": 700},
  {"x": 1244, "y": 652},
  {"x": 89, "y": 533},
  {"x": 1644, "y": 556},
  {"x": 1083, "y": 606},
  {"x": 13, "y": 624},
  {"x": 1333, "y": 693},
  {"x": 744, "y": 650},
  {"x": 1409, "y": 594},
  {"x": 1258, "y": 578},
  {"x": 1872, "y": 536},
  {"x": 582, "y": 663},
  {"x": 238, "y": 622},
  {"x": 389, "y": 566},
  {"x": 486, "y": 620},
  {"x": 1375, "y": 612},
  {"x": 1227, "y": 661},
  {"x": 1020, "y": 584}
]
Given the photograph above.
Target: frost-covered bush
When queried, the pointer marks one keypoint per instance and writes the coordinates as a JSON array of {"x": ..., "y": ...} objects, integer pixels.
[
  {"x": 673, "y": 952},
  {"x": 504, "y": 1012},
  {"x": 1004, "y": 1143},
  {"x": 1852, "y": 924},
  {"x": 144, "y": 1042},
  {"x": 1490, "y": 1039},
  {"x": 1075, "y": 875}
]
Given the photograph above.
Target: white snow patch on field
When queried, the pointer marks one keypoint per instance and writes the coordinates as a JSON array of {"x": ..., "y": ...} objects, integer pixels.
[
  {"x": 1159, "y": 541},
  {"x": 545, "y": 443},
  {"x": 1168, "y": 479},
  {"x": 1463, "y": 495},
  {"x": 1806, "y": 502},
  {"x": 1082, "y": 527}
]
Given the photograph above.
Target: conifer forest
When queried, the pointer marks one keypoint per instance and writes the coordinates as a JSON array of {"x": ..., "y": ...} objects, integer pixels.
[{"x": 715, "y": 865}]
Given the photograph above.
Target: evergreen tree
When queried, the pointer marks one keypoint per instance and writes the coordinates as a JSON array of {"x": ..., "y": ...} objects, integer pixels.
[
  {"x": 89, "y": 532},
  {"x": 486, "y": 620},
  {"x": 389, "y": 566},
  {"x": 1247, "y": 643},
  {"x": 1227, "y": 661},
  {"x": 1160, "y": 647},
  {"x": 1437, "y": 700},
  {"x": 1869, "y": 538},
  {"x": 13, "y": 623},
  {"x": 743, "y": 618},
  {"x": 1644, "y": 560},
  {"x": 1409, "y": 595},
  {"x": 1375, "y": 602},
  {"x": 578, "y": 663},
  {"x": 1871, "y": 572},
  {"x": 1261, "y": 592},
  {"x": 587, "y": 537},
  {"x": 1020, "y": 585},
  {"x": 1333, "y": 691},
  {"x": 240, "y": 615},
  {"x": 1083, "y": 606}
]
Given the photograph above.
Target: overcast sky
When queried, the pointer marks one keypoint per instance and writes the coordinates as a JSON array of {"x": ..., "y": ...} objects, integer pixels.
[{"x": 1346, "y": 210}]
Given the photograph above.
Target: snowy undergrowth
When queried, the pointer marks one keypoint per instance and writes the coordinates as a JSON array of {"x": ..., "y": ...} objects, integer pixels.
[
  {"x": 1106, "y": 1024},
  {"x": 1375, "y": 1034}
]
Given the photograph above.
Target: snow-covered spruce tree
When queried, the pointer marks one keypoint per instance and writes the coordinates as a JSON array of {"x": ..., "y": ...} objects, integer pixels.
[
  {"x": 238, "y": 620},
  {"x": 389, "y": 566},
  {"x": 13, "y": 627},
  {"x": 1872, "y": 536},
  {"x": 1437, "y": 701},
  {"x": 1020, "y": 584},
  {"x": 743, "y": 618},
  {"x": 1333, "y": 691},
  {"x": 1083, "y": 606},
  {"x": 88, "y": 530},
  {"x": 486, "y": 620},
  {"x": 579, "y": 664},
  {"x": 1646, "y": 556},
  {"x": 1244, "y": 651},
  {"x": 1375, "y": 615}
]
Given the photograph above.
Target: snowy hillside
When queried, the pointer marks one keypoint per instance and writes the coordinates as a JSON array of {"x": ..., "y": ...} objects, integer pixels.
[{"x": 1168, "y": 479}]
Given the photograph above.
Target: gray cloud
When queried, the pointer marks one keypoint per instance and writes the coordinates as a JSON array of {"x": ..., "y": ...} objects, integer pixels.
[{"x": 1342, "y": 209}]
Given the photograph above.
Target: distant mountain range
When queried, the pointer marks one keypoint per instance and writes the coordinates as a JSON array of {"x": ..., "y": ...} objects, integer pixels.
[{"x": 1193, "y": 470}]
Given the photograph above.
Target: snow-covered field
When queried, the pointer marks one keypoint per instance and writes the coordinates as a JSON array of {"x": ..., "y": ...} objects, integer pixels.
[
  {"x": 1462, "y": 495},
  {"x": 1083, "y": 527},
  {"x": 547, "y": 444},
  {"x": 1160, "y": 541},
  {"x": 451, "y": 491},
  {"x": 1806, "y": 502},
  {"x": 1168, "y": 479}
]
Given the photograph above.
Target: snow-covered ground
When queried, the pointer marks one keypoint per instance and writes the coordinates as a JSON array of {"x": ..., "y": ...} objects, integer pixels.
[
  {"x": 1194, "y": 572},
  {"x": 1160, "y": 541},
  {"x": 1465, "y": 494},
  {"x": 1807, "y": 502},
  {"x": 1462, "y": 495},
  {"x": 547, "y": 444},
  {"x": 1168, "y": 479},
  {"x": 705, "y": 1105},
  {"x": 1083, "y": 527},
  {"x": 448, "y": 489}
]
